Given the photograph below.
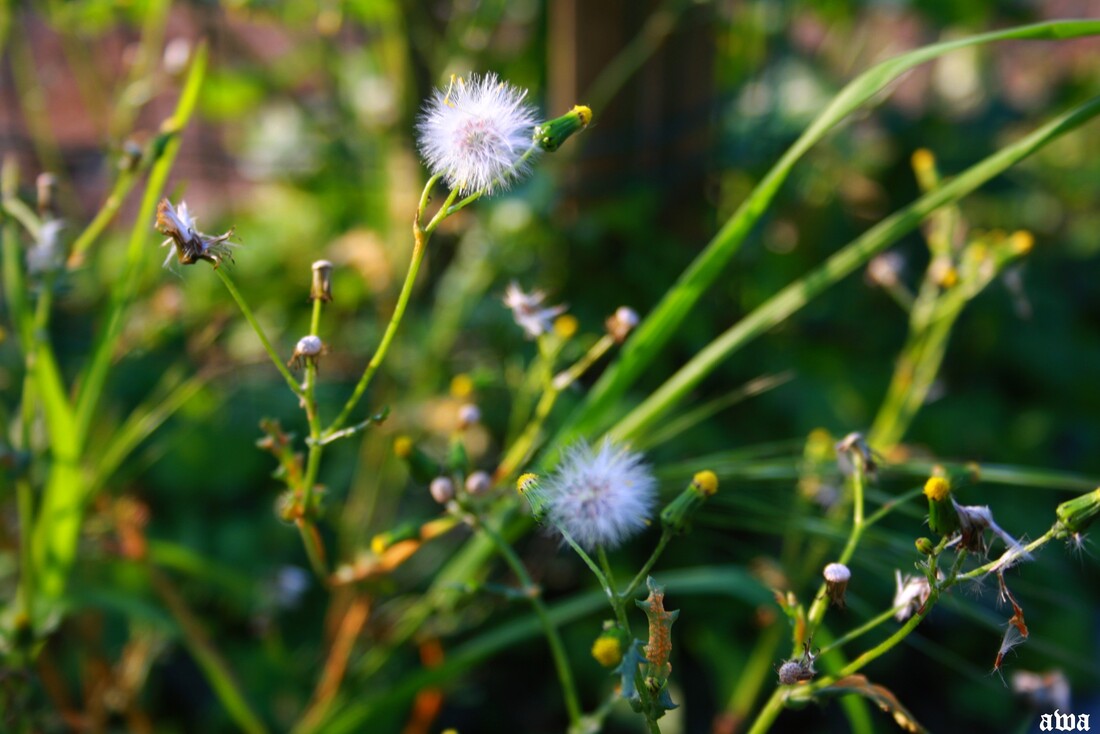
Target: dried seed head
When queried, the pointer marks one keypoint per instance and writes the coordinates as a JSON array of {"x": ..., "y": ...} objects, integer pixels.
[
  {"x": 479, "y": 483},
  {"x": 185, "y": 241},
  {"x": 307, "y": 351},
  {"x": 621, "y": 323},
  {"x": 836, "y": 576},
  {"x": 442, "y": 490},
  {"x": 46, "y": 184},
  {"x": 528, "y": 312},
  {"x": 321, "y": 288}
]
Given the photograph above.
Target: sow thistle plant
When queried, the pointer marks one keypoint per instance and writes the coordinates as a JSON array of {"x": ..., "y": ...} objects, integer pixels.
[{"x": 583, "y": 477}]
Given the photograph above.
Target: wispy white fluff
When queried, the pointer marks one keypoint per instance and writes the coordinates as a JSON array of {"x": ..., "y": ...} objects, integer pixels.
[
  {"x": 528, "y": 312},
  {"x": 601, "y": 495},
  {"x": 474, "y": 132}
]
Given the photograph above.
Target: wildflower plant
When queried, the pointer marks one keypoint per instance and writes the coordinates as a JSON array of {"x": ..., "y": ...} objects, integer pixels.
[{"x": 586, "y": 476}]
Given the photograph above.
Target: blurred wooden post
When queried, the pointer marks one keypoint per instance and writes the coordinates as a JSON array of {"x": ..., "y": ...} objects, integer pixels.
[{"x": 656, "y": 129}]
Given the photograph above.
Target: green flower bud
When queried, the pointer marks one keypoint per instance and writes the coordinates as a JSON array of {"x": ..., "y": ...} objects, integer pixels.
[
  {"x": 925, "y": 546},
  {"x": 528, "y": 486},
  {"x": 550, "y": 135},
  {"x": 942, "y": 517},
  {"x": 677, "y": 514},
  {"x": 1075, "y": 515}
]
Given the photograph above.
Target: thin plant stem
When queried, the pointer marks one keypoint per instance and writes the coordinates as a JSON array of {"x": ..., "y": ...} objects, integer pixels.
[
  {"x": 616, "y": 598},
  {"x": 821, "y": 603},
  {"x": 640, "y": 577},
  {"x": 771, "y": 710},
  {"x": 210, "y": 661},
  {"x": 123, "y": 184},
  {"x": 25, "y": 501},
  {"x": 604, "y": 582},
  {"x": 858, "y": 631},
  {"x": 311, "y": 537},
  {"x": 251, "y": 318},
  {"x": 421, "y": 235},
  {"x": 557, "y": 649}
]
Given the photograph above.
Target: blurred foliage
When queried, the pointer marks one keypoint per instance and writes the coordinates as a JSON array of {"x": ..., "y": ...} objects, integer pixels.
[{"x": 304, "y": 144}]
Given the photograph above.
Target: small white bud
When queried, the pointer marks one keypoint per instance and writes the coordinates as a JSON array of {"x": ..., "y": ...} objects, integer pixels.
[
  {"x": 468, "y": 415},
  {"x": 621, "y": 323},
  {"x": 478, "y": 483},
  {"x": 307, "y": 350},
  {"x": 442, "y": 490}
]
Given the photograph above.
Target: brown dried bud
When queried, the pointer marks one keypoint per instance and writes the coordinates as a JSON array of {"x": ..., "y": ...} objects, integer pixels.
[
  {"x": 322, "y": 281},
  {"x": 621, "y": 323},
  {"x": 47, "y": 192}
]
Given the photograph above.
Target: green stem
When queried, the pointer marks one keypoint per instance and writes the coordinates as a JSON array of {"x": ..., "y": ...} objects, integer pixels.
[
  {"x": 590, "y": 563},
  {"x": 557, "y": 649},
  {"x": 103, "y": 217},
  {"x": 771, "y": 710},
  {"x": 215, "y": 668},
  {"x": 821, "y": 600},
  {"x": 616, "y": 598},
  {"x": 640, "y": 577},
  {"x": 421, "y": 236},
  {"x": 25, "y": 500},
  {"x": 311, "y": 537},
  {"x": 251, "y": 318}
]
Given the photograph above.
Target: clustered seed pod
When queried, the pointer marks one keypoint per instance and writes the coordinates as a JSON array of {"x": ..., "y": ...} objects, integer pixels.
[
  {"x": 321, "y": 288},
  {"x": 837, "y": 576}
]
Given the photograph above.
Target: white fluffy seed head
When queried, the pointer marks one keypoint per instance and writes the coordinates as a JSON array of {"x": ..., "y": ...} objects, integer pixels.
[
  {"x": 475, "y": 131},
  {"x": 601, "y": 495}
]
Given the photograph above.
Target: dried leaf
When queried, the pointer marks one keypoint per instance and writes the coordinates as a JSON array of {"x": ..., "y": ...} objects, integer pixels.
[{"x": 883, "y": 697}]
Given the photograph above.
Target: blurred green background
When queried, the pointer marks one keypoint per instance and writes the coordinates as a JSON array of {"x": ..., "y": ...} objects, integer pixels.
[{"x": 304, "y": 143}]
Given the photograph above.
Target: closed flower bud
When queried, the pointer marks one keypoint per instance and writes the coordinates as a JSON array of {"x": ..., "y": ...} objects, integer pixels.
[
  {"x": 677, "y": 515},
  {"x": 478, "y": 483},
  {"x": 836, "y": 576},
  {"x": 1076, "y": 515},
  {"x": 942, "y": 517},
  {"x": 528, "y": 486},
  {"x": 442, "y": 490},
  {"x": 608, "y": 650},
  {"x": 925, "y": 546},
  {"x": 550, "y": 135},
  {"x": 621, "y": 323},
  {"x": 321, "y": 288}
]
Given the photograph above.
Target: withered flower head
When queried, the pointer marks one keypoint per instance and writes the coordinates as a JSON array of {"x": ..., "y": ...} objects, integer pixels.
[{"x": 185, "y": 241}]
